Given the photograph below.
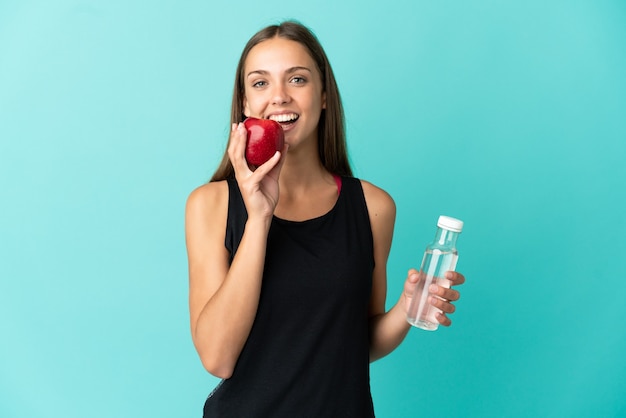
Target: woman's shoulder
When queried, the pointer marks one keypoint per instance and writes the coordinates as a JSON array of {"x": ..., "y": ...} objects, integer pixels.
[
  {"x": 209, "y": 197},
  {"x": 378, "y": 201},
  {"x": 375, "y": 193}
]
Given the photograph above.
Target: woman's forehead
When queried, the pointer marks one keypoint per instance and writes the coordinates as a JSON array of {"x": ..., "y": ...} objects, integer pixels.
[{"x": 277, "y": 55}]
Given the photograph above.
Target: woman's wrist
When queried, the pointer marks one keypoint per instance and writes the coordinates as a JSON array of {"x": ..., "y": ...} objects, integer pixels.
[
  {"x": 398, "y": 311},
  {"x": 259, "y": 222}
]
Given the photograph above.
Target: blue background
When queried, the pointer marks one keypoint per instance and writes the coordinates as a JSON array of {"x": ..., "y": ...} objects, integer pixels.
[{"x": 508, "y": 115}]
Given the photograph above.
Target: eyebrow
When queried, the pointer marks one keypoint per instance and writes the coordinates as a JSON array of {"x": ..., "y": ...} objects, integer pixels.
[{"x": 289, "y": 71}]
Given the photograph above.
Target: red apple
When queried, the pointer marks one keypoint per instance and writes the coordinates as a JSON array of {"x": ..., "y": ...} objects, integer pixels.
[{"x": 265, "y": 137}]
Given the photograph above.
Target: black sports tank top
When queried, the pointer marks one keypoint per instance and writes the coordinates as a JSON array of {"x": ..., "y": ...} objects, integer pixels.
[{"x": 307, "y": 354}]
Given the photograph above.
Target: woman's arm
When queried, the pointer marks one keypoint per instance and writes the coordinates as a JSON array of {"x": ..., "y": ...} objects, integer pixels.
[
  {"x": 388, "y": 329},
  {"x": 223, "y": 297}
]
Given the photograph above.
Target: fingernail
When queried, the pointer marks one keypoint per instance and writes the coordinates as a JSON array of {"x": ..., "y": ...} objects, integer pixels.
[
  {"x": 432, "y": 288},
  {"x": 449, "y": 275}
]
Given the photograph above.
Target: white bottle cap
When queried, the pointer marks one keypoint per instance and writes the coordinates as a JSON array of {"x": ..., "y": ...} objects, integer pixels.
[{"x": 451, "y": 224}]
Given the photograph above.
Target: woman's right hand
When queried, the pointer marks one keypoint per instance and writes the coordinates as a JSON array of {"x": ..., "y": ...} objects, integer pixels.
[{"x": 259, "y": 187}]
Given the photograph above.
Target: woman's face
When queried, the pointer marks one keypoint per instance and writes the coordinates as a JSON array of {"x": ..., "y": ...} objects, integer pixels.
[{"x": 282, "y": 82}]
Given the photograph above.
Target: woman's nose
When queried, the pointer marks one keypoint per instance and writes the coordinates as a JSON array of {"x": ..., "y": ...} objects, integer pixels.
[{"x": 279, "y": 95}]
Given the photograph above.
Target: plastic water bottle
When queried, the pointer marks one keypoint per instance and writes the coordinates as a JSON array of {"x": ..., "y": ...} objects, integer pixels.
[{"x": 440, "y": 256}]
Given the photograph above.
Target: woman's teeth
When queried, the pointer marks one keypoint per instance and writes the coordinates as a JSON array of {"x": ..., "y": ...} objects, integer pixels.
[{"x": 288, "y": 117}]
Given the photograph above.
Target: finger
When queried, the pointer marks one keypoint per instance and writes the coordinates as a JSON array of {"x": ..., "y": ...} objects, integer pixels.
[
  {"x": 237, "y": 147},
  {"x": 444, "y": 293},
  {"x": 283, "y": 155},
  {"x": 413, "y": 276},
  {"x": 455, "y": 278},
  {"x": 442, "y": 305},
  {"x": 234, "y": 139},
  {"x": 443, "y": 319},
  {"x": 267, "y": 166}
]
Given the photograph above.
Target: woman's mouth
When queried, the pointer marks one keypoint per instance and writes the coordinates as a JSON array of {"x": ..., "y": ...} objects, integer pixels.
[{"x": 285, "y": 119}]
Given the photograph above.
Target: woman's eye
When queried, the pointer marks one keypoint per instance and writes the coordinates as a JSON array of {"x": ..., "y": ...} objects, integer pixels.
[
  {"x": 298, "y": 80},
  {"x": 259, "y": 84}
]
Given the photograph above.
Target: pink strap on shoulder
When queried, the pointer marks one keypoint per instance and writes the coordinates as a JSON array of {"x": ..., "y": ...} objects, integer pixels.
[{"x": 338, "y": 181}]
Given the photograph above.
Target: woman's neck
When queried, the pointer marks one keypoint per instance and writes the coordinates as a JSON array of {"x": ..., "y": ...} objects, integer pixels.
[
  {"x": 307, "y": 189},
  {"x": 303, "y": 170}
]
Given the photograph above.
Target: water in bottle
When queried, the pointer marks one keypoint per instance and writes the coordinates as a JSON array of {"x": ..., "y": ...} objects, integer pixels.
[{"x": 440, "y": 256}]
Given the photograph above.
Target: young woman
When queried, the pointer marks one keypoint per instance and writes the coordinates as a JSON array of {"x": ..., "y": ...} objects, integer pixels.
[{"x": 287, "y": 261}]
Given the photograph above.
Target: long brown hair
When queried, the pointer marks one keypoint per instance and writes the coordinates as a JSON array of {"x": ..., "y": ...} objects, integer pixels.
[{"x": 331, "y": 133}]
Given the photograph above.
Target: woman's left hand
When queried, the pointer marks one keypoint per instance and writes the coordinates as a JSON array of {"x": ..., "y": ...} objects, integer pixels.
[{"x": 440, "y": 297}]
